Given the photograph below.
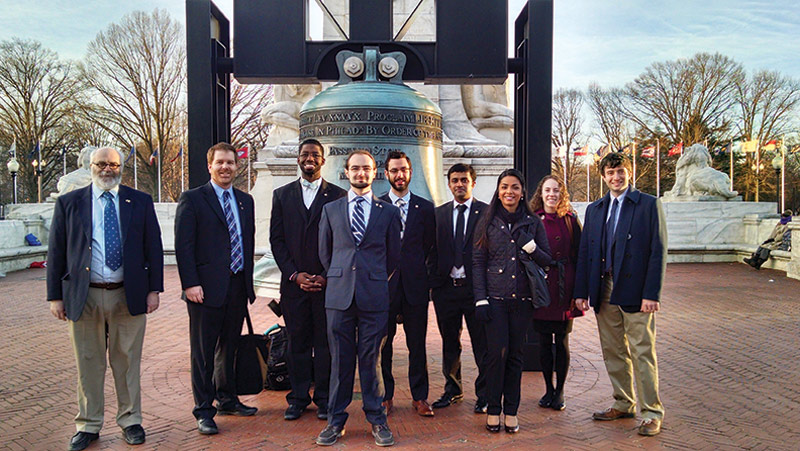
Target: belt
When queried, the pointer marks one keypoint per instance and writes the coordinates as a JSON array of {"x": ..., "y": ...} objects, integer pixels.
[
  {"x": 459, "y": 282},
  {"x": 106, "y": 286}
]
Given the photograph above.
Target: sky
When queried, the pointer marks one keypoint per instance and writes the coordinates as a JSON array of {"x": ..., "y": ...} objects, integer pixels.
[{"x": 605, "y": 41}]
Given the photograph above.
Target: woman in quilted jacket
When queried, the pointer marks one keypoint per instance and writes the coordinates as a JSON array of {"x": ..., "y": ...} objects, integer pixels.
[{"x": 506, "y": 232}]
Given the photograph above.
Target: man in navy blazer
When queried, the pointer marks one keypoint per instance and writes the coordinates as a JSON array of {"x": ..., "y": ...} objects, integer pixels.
[
  {"x": 359, "y": 247},
  {"x": 621, "y": 265},
  {"x": 214, "y": 246},
  {"x": 408, "y": 289},
  {"x": 105, "y": 271}
]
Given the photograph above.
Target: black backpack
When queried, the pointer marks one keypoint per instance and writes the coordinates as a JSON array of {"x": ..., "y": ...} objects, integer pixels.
[{"x": 277, "y": 367}]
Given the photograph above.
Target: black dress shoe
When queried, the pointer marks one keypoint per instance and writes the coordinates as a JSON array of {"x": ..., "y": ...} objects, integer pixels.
[
  {"x": 383, "y": 435},
  {"x": 133, "y": 435},
  {"x": 329, "y": 435},
  {"x": 81, "y": 440},
  {"x": 558, "y": 401},
  {"x": 207, "y": 426},
  {"x": 512, "y": 429},
  {"x": 322, "y": 413},
  {"x": 481, "y": 405},
  {"x": 447, "y": 399},
  {"x": 546, "y": 400},
  {"x": 239, "y": 409},
  {"x": 293, "y": 412}
]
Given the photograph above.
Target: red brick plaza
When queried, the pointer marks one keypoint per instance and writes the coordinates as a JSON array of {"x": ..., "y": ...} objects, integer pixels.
[{"x": 728, "y": 351}]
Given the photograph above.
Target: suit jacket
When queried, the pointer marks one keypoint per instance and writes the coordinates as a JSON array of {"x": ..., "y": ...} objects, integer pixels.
[
  {"x": 69, "y": 253},
  {"x": 640, "y": 251},
  {"x": 203, "y": 246},
  {"x": 294, "y": 231},
  {"x": 441, "y": 260},
  {"x": 362, "y": 271},
  {"x": 418, "y": 239}
]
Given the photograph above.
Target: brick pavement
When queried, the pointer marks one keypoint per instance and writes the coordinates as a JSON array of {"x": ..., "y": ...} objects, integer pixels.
[{"x": 727, "y": 344}]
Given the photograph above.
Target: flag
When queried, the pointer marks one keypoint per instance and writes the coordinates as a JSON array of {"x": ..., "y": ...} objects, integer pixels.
[
  {"x": 133, "y": 151},
  {"x": 63, "y": 151},
  {"x": 580, "y": 151},
  {"x": 180, "y": 152},
  {"x": 649, "y": 152},
  {"x": 750, "y": 146},
  {"x": 626, "y": 148},
  {"x": 12, "y": 151},
  {"x": 34, "y": 153},
  {"x": 771, "y": 145},
  {"x": 602, "y": 150},
  {"x": 242, "y": 153},
  {"x": 677, "y": 149},
  {"x": 153, "y": 157},
  {"x": 725, "y": 149}
]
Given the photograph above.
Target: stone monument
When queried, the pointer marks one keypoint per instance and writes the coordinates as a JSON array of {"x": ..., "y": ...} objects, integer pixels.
[
  {"x": 696, "y": 180},
  {"x": 78, "y": 178}
]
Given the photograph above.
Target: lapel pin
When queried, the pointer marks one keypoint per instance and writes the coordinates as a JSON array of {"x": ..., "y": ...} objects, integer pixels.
[
  {"x": 416, "y": 206},
  {"x": 128, "y": 200}
]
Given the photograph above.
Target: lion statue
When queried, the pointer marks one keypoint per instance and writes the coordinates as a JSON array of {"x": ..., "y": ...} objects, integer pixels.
[{"x": 694, "y": 176}]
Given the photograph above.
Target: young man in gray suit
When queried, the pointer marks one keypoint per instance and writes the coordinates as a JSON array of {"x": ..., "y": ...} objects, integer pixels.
[{"x": 359, "y": 247}]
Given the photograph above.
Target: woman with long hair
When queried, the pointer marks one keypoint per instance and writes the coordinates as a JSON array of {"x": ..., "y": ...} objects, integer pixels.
[
  {"x": 554, "y": 322},
  {"x": 506, "y": 232}
]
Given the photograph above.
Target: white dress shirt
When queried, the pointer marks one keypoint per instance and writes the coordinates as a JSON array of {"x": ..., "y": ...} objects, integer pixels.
[
  {"x": 233, "y": 203},
  {"x": 309, "y": 190},
  {"x": 100, "y": 273},
  {"x": 460, "y": 272}
]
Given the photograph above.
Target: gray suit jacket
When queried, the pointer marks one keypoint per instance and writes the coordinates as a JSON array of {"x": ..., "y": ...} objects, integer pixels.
[{"x": 362, "y": 271}]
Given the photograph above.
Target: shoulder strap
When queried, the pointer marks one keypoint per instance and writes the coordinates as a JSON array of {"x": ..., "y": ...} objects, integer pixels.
[{"x": 569, "y": 225}]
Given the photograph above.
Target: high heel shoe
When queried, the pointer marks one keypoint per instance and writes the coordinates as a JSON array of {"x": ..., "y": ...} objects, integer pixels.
[
  {"x": 512, "y": 429},
  {"x": 546, "y": 400},
  {"x": 558, "y": 401},
  {"x": 494, "y": 428}
]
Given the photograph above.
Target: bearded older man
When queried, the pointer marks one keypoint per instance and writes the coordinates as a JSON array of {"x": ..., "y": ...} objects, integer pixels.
[{"x": 105, "y": 271}]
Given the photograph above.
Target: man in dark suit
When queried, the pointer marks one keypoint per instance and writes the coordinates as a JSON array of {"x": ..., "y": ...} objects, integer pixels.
[
  {"x": 214, "y": 244},
  {"x": 450, "y": 268},
  {"x": 408, "y": 288},
  {"x": 621, "y": 265},
  {"x": 105, "y": 271},
  {"x": 359, "y": 247},
  {"x": 294, "y": 237}
]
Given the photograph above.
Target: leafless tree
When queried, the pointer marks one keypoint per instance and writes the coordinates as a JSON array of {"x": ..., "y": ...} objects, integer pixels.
[
  {"x": 37, "y": 102},
  {"x": 690, "y": 99},
  {"x": 136, "y": 72},
  {"x": 766, "y": 102},
  {"x": 609, "y": 115},
  {"x": 247, "y": 130},
  {"x": 567, "y": 125}
]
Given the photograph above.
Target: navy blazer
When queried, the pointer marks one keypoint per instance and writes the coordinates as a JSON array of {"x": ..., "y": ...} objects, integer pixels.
[
  {"x": 418, "y": 240},
  {"x": 294, "y": 231},
  {"x": 203, "y": 246},
  {"x": 69, "y": 253},
  {"x": 362, "y": 271},
  {"x": 441, "y": 259},
  {"x": 640, "y": 252}
]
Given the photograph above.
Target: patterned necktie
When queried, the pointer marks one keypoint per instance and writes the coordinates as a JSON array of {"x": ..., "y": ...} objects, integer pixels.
[
  {"x": 237, "y": 258},
  {"x": 458, "y": 258},
  {"x": 401, "y": 204},
  {"x": 358, "y": 225},
  {"x": 113, "y": 247},
  {"x": 611, "y": 227}
]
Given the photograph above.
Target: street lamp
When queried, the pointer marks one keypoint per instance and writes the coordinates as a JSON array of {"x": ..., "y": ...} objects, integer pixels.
[
  {"x": 777, "y": 164},
  {"x": 13, "y": 168},
  {"x": 38, "y": 170}
]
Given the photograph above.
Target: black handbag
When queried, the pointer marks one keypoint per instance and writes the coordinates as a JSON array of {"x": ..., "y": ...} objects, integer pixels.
[
  {"x": 251, "y": 359},
  {"x": 537, "y": 278}
]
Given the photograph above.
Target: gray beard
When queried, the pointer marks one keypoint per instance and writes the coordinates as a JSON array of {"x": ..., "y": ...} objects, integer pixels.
[{"x": 107, "y": 185}]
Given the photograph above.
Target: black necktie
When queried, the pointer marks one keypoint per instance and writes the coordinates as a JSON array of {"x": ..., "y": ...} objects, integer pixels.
[
  {"x": 458, "y": 261},
  {"x": 611, "y": 226}
]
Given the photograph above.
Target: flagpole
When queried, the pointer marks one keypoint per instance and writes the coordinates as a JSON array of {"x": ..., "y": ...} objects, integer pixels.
[
  {"x": 249, "y": 149},
  {"x": 182, "y": 165},
  {"x": 588, "y": 186},
  {"x": 64, "y": 159},
  {"x": 758, "y": 165},
  {"x": 159, "y": 174},
  {"x": 783, "y": 174},
  {"x": 633, "y": 154},
  {"x": 730, "y": 149},
  {"x": 39, "y": 172},
  {"x": 658, "y": 167}
]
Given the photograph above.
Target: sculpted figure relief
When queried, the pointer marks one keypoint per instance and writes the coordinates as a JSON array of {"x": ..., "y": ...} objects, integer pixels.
[
  {"x": 694, "y": 176},
  {"x": 78, "y": 178},
  {"x": 486, "y": 106}
]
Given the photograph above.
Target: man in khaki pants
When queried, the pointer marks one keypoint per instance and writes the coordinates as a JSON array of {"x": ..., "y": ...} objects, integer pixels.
[
  {"x": 620, "y": 272},
  {"x": 105, "y": 269}
]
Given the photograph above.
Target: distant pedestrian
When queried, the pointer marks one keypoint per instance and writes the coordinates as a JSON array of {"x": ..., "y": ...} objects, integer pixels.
[{"x": 780, "y": 239}]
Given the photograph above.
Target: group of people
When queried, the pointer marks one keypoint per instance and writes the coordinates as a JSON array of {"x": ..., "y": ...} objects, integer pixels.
[{"x": 355, "y": 266}]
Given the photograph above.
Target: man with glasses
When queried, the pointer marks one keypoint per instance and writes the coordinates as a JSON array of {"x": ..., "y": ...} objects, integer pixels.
[
  {"x": 293, "y": 236},
  {"x": 105, "y": 271}
]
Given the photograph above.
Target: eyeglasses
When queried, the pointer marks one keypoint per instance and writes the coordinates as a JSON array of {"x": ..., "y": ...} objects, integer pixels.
[{"x": 104, "y": 165}]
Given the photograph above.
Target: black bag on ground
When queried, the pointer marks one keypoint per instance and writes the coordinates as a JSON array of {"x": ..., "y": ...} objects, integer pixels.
[
  {"x": 537, "y": 278},
  {"x": 277, "y": 367},
  {"x": 251, "y": 361}
]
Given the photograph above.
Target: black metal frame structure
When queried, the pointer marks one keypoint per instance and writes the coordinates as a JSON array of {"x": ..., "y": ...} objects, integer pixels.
[{"x": 271, "y": 47}]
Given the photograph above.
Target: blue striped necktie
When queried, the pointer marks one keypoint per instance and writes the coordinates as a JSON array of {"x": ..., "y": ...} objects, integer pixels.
[
  {"x": 237, "y": 258},
  {"x": 358, "y": 225},
  {"x": 611, "y": 227},
  {"x": 113, "y": 247}
]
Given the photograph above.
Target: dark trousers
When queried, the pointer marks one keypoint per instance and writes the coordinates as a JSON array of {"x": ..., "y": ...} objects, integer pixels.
[
  {"x": 352, "y": 333},
  {"x": 213, "y": 336},
  {"x": 309, "y": 357},
  {"x": 453, "y": 306},
  {"x": 505, "y": 333},
  {"x": 415, "y": 325}
]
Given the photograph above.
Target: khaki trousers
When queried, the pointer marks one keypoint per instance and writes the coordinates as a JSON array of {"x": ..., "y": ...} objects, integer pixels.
[
  {"x": 106, "y": 326},
  {"x": 628, "y": 341}
]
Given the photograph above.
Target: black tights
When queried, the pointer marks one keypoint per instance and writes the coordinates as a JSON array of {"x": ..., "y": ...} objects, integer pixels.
[{"x": 560, "y": 364}]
